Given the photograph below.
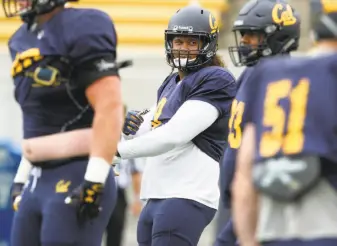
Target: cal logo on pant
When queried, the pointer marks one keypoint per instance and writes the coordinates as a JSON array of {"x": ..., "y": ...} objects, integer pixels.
[{"x": 62, "y": 186}]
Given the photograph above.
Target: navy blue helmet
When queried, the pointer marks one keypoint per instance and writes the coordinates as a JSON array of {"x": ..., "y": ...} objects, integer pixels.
[
  {"x": 196, "y": 22},
  {"x": 29, "y": 9},
  {"x": 276, "y": 21}
]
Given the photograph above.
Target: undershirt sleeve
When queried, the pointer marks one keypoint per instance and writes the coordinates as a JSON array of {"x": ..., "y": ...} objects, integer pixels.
[{"x": 192, "y": 118}]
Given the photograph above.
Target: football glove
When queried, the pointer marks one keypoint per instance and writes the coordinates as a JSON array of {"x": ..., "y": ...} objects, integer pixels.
[
  {"x": 16, "y": 192},
  {"x": 86, "y": 198},
  {"x": 133, "y": 120}
]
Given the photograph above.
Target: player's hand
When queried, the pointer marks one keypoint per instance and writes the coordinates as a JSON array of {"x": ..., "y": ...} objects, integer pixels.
[
  {"x": 86, "y": 198},
  {"x": 136, "y": 208},
  {"x": 16, "y": 191},
  {"x": 133, "y": 120}
]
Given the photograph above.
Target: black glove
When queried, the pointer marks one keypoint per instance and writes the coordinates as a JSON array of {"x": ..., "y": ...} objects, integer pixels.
[
  {"x": 86, "y": 198},
  {"x": 132, "y": 122},
  {"x": 16, "y": 191}
]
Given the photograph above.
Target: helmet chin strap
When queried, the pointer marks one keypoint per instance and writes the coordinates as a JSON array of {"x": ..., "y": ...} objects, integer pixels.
[{"x": 31, "y": 22}]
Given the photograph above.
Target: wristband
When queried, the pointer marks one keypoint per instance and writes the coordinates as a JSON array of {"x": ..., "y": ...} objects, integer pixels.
[
  {"x": 23, "y": 171},
  {"x": 98, "y": 170}
]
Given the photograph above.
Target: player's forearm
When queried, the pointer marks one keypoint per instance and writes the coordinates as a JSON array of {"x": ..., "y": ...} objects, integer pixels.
[
  {"x": 58, "y": 146},
  {"x": 72, "y": 143},
  {"x": 176, "y": 132},
  {"x": 105, "y": 97},
  {"x": 136, "y": 181},
  {"x": 61, "y": 145},
  {"x": 244, "y": 211},
  {"x": 106, "y": 130}
]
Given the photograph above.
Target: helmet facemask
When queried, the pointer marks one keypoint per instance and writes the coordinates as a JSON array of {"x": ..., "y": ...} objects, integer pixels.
[
  {"x": 13, "y": 8},
  {"x": 247, "y": 54},
  {"x": 272, "y": 41},
  {"x": 190, "y": 60},
  {"x": 28, "y": 10}
]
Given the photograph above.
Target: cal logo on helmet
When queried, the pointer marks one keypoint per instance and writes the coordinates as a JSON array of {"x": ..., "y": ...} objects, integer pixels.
[
  {"x": 283, "y": 14},
  {"x": 213, "y": 23}
]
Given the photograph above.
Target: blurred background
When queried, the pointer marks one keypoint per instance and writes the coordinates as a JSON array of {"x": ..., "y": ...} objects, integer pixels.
[{"x": 140, "y": 26}]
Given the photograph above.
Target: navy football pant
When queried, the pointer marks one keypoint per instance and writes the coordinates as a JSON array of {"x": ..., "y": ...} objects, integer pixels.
[
  {"x": 172, "y": 222},
  {"x": 227, "y": 236},
  {"x": 43, "y": 219}
]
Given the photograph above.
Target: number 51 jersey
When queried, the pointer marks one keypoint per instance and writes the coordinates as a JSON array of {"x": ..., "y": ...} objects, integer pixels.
[{"x": 294, "y": 107}]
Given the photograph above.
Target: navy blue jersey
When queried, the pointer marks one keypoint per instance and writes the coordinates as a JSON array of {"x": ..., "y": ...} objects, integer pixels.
[
  {"x": 52, "y": 69},
  {"x": 236, "y": 124},
  {"x": 294, "y": 107},
  {"x": 214, "y": 85},
  {"x": 16, "y": 44}
]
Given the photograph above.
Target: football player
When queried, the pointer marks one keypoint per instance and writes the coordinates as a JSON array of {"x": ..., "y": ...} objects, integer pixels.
[
  {"x": 262, "y": 29},
  {"x": 65, "y": 79},
  {"x": 287, "y": 161},
  {"x": 187, "y": 137}
]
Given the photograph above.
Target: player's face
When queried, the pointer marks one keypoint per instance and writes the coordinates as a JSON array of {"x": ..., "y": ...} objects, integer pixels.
[
  {"x": 252, "y": 39},
  {"x": 23, "y": 4},
  {"x": 186, "y": 47}
]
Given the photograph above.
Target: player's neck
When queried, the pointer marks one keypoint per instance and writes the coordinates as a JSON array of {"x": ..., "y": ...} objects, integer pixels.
[
  {"x": 181, "y": 75},
  {"x": 46, "y": 17}
]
